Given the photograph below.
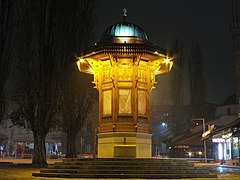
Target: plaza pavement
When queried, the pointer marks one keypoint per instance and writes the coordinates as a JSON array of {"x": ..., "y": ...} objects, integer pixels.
[{"x": 26, "y": 160}]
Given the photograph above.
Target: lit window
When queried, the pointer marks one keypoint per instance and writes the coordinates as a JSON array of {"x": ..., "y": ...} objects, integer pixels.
[
  {"x": 220, "y": 151},
  {"x": 125, "y": 101},
  {"x": 107, "y": 102},
  {"x": 142, "y": 102}
]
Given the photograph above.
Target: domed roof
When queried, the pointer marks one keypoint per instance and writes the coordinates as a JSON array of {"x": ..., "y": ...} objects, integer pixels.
[{"x": 123, "y": 29}]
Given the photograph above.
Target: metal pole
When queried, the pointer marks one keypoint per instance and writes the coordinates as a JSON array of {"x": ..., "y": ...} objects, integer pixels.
[
  {"x": 204, "y": 142},
  {"x": 205, "y": 151}
]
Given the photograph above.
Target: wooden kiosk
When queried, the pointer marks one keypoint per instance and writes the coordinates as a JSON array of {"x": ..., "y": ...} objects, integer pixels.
[{"x": 124, "y": 64}]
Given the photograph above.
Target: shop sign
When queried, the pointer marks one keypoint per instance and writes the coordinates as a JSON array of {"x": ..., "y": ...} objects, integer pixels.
[
  {"x": 227, "y": 136},
  {"x": 218, "y": 140},
  {"x": 210, "y": 128}
]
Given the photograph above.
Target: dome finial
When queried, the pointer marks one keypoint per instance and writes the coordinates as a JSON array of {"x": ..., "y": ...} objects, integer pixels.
[{"x": 124, "y": 14}]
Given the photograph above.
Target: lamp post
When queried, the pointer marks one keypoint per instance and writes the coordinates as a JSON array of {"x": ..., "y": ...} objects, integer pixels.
[{"x": 204, "y": 142}]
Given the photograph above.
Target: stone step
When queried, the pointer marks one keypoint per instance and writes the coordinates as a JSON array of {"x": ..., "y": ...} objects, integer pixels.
[
  {"x": 122, "y": 162},
  {"x": 121, "y": 171},
  {"x": 107, "y": 166},
  {"x": 140, "y": 176},
  {"x": 6, "y": 163},
  {"x": 150, "y": 162},
  {"x": 122, "y": 159},
  {"x": 124, "y": 168}
]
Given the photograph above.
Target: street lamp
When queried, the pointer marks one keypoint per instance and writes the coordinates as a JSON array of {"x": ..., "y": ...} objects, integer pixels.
[
  {"x": 164, "y": 124},
  {"x": 204, "y": 142},
  {"x": 164, "y": 127}
]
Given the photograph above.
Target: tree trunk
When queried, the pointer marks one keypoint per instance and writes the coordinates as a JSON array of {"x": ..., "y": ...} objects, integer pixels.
[
  {"x": 39, "y": 154},
  {"x": 1, "y": 105},
  {"x": 71, "y": 145}
]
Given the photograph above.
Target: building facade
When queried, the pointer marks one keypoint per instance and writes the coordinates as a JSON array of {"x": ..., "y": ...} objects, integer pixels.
[
  {"x": 225, "y": 137},
  {"x": 18, "y": 142}
]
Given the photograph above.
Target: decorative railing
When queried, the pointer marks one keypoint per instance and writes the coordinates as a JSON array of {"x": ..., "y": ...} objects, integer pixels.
[{"x": 125, "y": 49}]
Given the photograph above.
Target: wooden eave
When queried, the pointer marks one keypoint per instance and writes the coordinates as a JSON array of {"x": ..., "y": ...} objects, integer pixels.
[{"x": 148, "y": 52}]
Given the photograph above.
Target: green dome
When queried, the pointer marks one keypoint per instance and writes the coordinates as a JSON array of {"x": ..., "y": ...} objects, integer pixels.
[{"x": 123, "y": 29}]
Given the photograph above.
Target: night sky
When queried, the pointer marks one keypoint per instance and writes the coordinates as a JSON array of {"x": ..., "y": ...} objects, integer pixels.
[{"x": 206, "y": 21}]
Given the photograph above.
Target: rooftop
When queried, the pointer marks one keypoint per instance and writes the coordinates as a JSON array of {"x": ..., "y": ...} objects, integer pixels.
[{"x": 123, "y": 29}]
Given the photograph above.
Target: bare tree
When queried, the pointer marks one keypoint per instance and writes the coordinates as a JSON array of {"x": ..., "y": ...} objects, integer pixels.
[
  {"x": 176, "y": 74},
  {"x": 76, "y": 102},
  {"x": 76, "y": 97},
  {"x": 48, "y": 27},
  {"x": 197, "y": 80},
  {"x": 38, "y": 81},
  {"x": 177, "y": 85},
  {"x": 6, "y": 33}
]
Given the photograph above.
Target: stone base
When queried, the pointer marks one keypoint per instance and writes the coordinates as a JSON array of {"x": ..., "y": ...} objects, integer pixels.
[
  {"x": 127, "y": 168},
  {"x": 124, "y": 144}
]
